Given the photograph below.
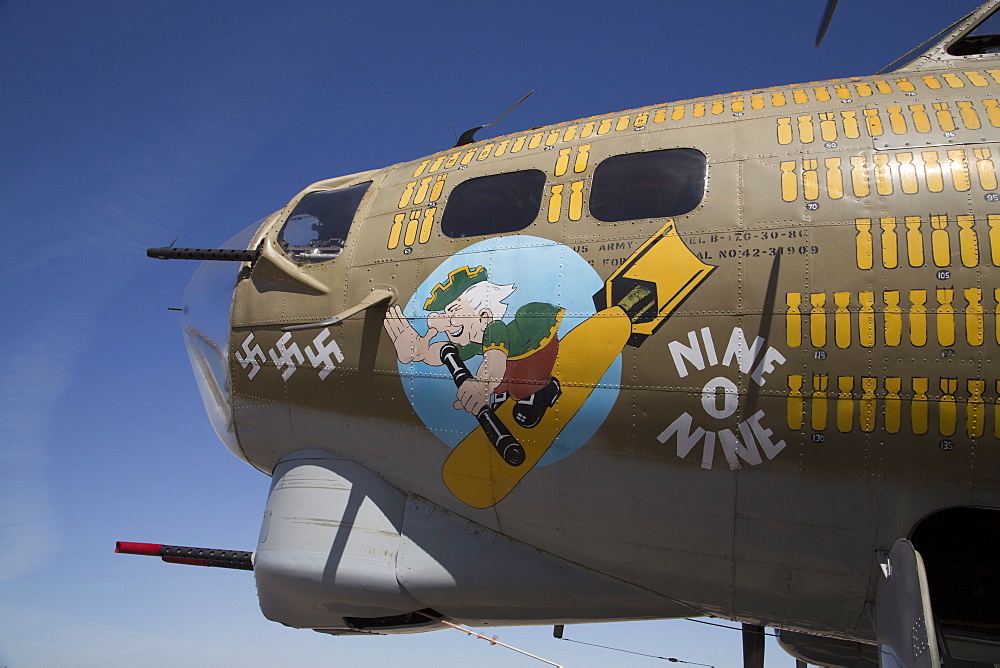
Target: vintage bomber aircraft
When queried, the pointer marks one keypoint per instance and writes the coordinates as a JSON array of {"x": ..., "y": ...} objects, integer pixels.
[{"x": 729, "y": 356}]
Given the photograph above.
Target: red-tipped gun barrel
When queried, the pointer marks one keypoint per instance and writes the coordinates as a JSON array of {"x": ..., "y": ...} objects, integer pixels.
[{"x": 194, "y": 556}]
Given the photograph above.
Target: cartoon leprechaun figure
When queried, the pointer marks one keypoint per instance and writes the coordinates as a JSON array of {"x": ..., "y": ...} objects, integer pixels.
[{"x": 518, "y": 355}]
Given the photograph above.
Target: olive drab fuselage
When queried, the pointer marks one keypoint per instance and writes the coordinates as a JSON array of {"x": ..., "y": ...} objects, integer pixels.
[{"x": 754, "y": 394}]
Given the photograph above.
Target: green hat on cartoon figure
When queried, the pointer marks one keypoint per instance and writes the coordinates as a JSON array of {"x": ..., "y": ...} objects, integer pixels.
[{"x": 458, "y": 282}]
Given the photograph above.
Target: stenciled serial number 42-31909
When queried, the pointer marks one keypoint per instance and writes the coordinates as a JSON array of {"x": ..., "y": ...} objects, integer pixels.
[{"x": 763, "y": 252}]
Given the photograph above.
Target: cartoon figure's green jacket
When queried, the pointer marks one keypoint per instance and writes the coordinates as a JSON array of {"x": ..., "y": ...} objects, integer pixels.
[
  {"x": 530, "y": 343},
  {"x": 518, "y": 356}
]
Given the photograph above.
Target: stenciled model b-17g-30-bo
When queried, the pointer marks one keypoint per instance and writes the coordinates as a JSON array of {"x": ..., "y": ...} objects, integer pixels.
[{"x": 730, "y": 356}]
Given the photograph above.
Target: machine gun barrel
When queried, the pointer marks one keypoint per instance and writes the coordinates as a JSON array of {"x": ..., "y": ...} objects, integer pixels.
[
  {"x": 223, "y": 254},
  {"x": 194, "y": 556}
]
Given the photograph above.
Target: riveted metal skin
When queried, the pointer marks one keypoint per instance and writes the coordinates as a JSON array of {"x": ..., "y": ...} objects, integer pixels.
[{"x": 731, "y": 407}]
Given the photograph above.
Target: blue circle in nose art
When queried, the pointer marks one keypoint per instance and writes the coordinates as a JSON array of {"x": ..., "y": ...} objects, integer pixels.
[{"x": 540, "y": 270}]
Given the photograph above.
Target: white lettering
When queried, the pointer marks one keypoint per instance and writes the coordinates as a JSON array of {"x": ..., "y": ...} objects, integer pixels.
[
  {"x": 771, "y": 357},
  {"x": 691, "y": 353},
  {"x": 764, "y": 435},
  {"x": 738, "y": 348},
  {"x": 710, "y": 397},
  {"x": 685, "y": 439},
  {"x": 751, "y": 434},
  {"x": 746, "y": 440},
  {"x": 708, "y": 453},
  {"x": 706, "y": 336},
  {"x": 732, "y": 446}
]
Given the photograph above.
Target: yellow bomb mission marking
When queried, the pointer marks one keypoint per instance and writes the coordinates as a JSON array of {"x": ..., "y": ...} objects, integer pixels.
[{"x": 719, "y": 398}]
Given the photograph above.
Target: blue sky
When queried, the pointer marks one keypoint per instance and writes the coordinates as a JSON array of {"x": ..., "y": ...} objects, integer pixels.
[{"x": 124, "y": 124}]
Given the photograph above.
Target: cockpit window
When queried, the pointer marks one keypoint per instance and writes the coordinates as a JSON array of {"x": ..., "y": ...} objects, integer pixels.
[
  {"x": 984, "y": 39},
  {"x": 653, "y": 184},
  {"x": 493, "y": 204},
  {"x": 317, "y": 228}
]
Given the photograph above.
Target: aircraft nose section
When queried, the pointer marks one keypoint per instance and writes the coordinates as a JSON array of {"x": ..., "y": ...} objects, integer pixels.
[{"x": 206, "y": 320}]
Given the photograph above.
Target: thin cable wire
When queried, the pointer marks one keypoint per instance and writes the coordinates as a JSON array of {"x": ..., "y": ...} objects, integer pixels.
[
  {"x": 495, "y": 641},
  {"x": 723, "y": 626},
  {"x": 667, "y": 658},
  {"x": 733, "y": 628},
  {"x": 651, "y": 656}
]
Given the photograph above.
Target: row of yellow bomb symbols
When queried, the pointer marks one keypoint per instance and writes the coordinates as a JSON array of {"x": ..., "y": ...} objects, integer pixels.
[
  {"x": 888, "y": 317},
  {"x": 913, "y": 240},
  {"x": 889, "y": 404},
  {"x": 907, "y": 171},
  {"x": 847, "y": 124}
]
